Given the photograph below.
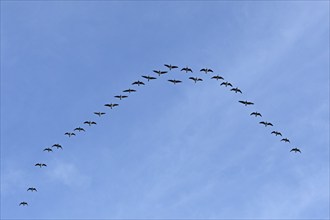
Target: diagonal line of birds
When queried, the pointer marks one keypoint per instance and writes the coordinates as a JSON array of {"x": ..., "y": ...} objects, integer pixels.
[{"x": 149, "y": 78}]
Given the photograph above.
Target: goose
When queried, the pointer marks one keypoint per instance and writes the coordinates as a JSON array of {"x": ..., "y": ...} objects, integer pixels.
[
  {"x": 266, "y": 123},
  {"x": 129, "y": 90},
  {"x": 246, "y": 103},
  {"x": 23, "y": 203},
  {"x": 79, "y": 129},
  {"x": 32, "y": 189},
  {"x": 174, "y": 81},
  {"x": 99, "y": 113},
  {"x": 285, "y": 140},
  {"x": 57, "y": 146},
  {"x": 217, "y": 77},
  {"x": 159, "y": 72},
  {"x": 295, "y": 150},
  {"x": 187, "y": 69},
  {"x": 48, "y": 149},
  {"x": 138, "y": 83},
  {"x": 70, "y": 134},
  {"x": 256, "y": 114},
  {"x": 90, "y": 123},
  {"x": 111, "y": 105},
  {"x": 121, "y": 96},
  {"x": 149, "y": 78},
  {"x": 170, "y": 66},
  {"x": 226, "y": 84},
  {"x": 40, "y": 165},
  {"x": 206, "y": 70},
  {"x": 195, "y": 79},
  {"x": 276, "y": 133},
  {"x": 236, "y": 90}
]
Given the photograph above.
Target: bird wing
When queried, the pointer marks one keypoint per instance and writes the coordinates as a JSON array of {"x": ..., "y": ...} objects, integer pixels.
[
  {"x": 270, "y": 124},
  {"x": 163, "y": 72},
  {"x": 192, "y": 78},
  {"x": 203, "y": 70},
  {"x": 174, "y": 67},
  {"x": 171, "y": 80},
  {"x": 210, "y": 71},
  {"x": 243, "y": 102},
  {"x": 167, "y": 65},
  {"x": 199, "y": 79}
]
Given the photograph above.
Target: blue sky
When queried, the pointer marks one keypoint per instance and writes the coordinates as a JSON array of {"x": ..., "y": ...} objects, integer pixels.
[{"x": 167, "y": 151}]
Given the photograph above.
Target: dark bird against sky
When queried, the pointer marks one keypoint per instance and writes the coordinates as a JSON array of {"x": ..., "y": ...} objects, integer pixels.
[
  {"x": 226, "y": 84},
  {"x": 206, "y": 70},
  {"x": 159, "y": 72},
  {"x": 174, "y": 81},
  {"x": 121, "y": 96},
  {"x": 40, "y": 165},
  {"x": 266, "y": 123},
  {"x": 246, "y": 103},
  {"x": 256, "y": 114},
  {"x": 195, "y": 79},
  {"x": 70, "y": 134},
  {"x": 111, "y": 105},
  {"x": 187, "y": 69},
  {"x": 138, "y": 83},
  {"x": 90, "y": 123},
  {"x": 217, "y": 77},
  {"x": 149, "y": 78},
  {"x": 129, "y": 90},
  {"x": 170, "y": 66},
  {"x": 276, "y": 133},
  {"x": 295, "y": 150}
]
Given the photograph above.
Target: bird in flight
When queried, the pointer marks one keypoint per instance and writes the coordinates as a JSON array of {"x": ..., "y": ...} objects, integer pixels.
[
  {"x": 32, "y": 189},
  {"x": 23, "y": 203},
  {"x": 195, "y": 79},
  {"x": 99, "y": 113},
  {"x": 236, "y": 90},
  {"x": 187, "y": 69},
  {"x": 138, "y": 83},
  {"x": 285, "y": 140},
  {"x": 90, "y": 123},
  {"x": 70, "y": 134},
  {"x": 256, "y": 114},
  {"x": 170, "y": 66},
  {"x": 246, "y": 103},
  {"x": 79, "y": 129},
  {"x": 121, "y": 96},
  {"x": 266, "y": 123},
  {"x": 48, "y": 149},
  {"x": 149, "y": 78},
  {"x": 129, "y": 90},
  {"x": 295, "y": 150},
  {"x": 206, "y": 70},
  {"x": 160, "y": 72},
  {"x": 276, "y": 133},
  {"x": 57, "y": 146},
  {"x": 226, "y": 84},
  {"x": 40, "y": 165},
  {"x": 111, "y": 105},
  {"x": 174, "y": 81},
  {"x": 217, "y": 77}
]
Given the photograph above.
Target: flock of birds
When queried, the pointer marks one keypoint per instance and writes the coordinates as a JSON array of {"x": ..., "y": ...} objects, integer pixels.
[{"x": 174, "y": 81}]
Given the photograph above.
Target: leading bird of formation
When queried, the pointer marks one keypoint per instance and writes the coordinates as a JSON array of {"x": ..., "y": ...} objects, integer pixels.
[{"x": 174, "y": 81}]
